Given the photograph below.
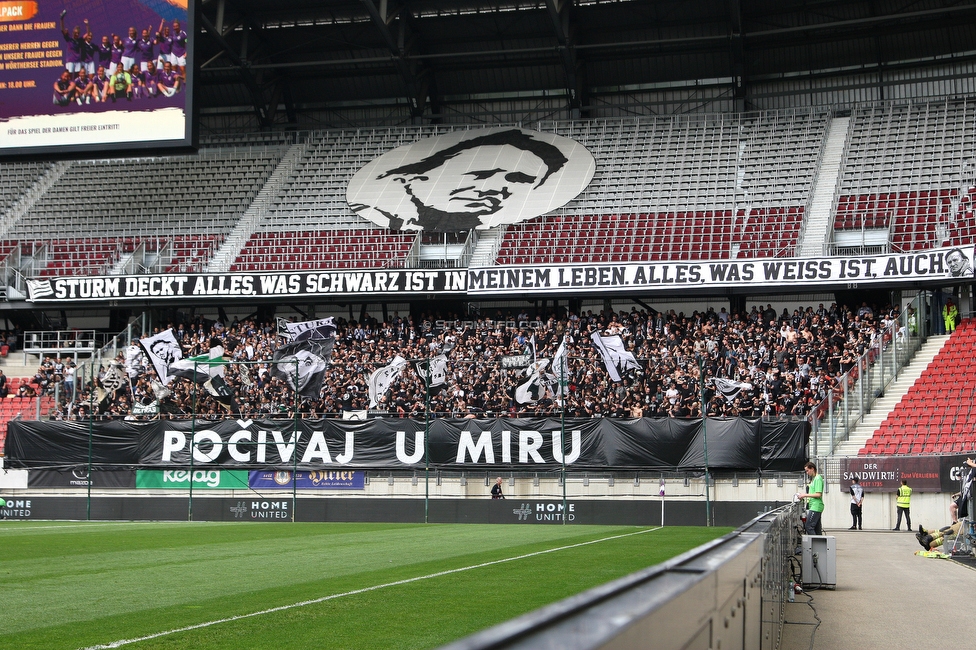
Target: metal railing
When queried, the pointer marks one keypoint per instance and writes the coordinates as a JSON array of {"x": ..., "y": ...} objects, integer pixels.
[
  {"x": 105, "y": 354},
  {"x": 680, "y": 603},
  {"x": 857, "y": 390},
  {"x": 60, "y": 342}
]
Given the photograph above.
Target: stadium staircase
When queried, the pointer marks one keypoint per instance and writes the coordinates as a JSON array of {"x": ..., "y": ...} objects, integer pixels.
[
  {"x": 818, "y": 223},
  {"x": 894, "y": 395},
  {"x": 257, "y": 211},
  {"x": 489, "y": 243}
]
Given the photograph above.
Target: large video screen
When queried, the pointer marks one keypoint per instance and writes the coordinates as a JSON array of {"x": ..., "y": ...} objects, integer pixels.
[{"x": 95, "y": 75}]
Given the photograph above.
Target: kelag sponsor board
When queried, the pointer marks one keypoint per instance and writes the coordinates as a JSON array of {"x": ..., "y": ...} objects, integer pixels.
[
  {"x": 60, "y": 87},
  {"x": 314, "y": 480},
  {"x": 202, "y": 479}
]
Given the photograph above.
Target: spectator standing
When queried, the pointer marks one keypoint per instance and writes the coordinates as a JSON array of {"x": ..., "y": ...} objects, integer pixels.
[{"x": 496, "y": 489}]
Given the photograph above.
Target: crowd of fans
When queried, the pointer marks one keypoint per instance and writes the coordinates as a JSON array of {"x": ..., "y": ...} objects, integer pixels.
[{"x": 786, "y": 362}]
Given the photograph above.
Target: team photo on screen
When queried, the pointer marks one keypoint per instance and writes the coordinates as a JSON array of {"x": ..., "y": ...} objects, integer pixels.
[{"x": 101, "y": 73}]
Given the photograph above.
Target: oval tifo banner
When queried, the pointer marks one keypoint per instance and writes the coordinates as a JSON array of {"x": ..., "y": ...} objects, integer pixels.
[{"x": 470, "y": 179}]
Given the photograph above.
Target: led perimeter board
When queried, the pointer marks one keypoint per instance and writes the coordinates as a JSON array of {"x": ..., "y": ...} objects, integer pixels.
[{"x": 101, "y": 76}]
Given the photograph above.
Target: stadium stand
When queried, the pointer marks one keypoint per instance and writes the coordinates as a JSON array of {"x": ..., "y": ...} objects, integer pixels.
[
  {"x": 337, "y": 249},
  {"x": 791, "y": 362},
  {"x": 932, "y": 418},
  {"x": 682, "y": 187},
  {"x": 18, "y": 180},
  {"x": 187, "y": 202},
  {"x": 697, "y": 186},
  {"x": 908, "y": 175},
  {"x": 744, "y": 180},
  {"x": 17, "y": 405}
]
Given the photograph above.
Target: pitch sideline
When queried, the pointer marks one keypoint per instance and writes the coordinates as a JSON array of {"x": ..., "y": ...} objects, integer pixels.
[{"x": 315, "y": 601}]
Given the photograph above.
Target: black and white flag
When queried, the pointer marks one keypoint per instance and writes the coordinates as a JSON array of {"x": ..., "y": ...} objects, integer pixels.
[
  {"x": 282, "y": 327},
  {"x": 433, "y": 371},
  {"x": 222, "y": 392},
  {"x": 133, "y": 361},
  {"x": 163, "y": 350},
  {"x": 114, "y": 378},
  {"x": 301, "y": 364},
  {"x": 730, "y": 388},
  {"x": 615, "y": 356},
  {"x": 537, "y": 385},
  {"x": 321, "y": 329},
  {"x": 202, "y": 367},
  {"x": 381, "y": 378},
  {"x": 560, "y": 369}
]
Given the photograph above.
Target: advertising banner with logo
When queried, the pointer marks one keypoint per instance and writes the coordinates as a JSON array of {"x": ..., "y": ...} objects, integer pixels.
[
  {"x": 203, "y": 479},
  {"x": 313, "y": 480},
  {"x": 952, "y": 470},
  {"x": 79, "y": 477},
  {"x": 662, "y": 443},
  {"x": 62, "y": 86},
  {"x": 885, "y": 474}
]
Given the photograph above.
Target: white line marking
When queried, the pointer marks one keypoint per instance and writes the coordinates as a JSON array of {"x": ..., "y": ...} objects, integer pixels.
[{"x": 305, "y": 603}]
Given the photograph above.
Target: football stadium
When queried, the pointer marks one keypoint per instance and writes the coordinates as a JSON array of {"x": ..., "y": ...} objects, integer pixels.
[{"x": 487, "y": 323}]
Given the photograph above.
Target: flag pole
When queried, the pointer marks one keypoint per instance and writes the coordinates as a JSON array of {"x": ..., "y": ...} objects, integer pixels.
[
  {"x": 704, "y": 412},
  {"x": 562, "y": 430},
  {"x": 294, "y": 473},
  {"x": 426, "y": 445},
  {"x": 661, "y": 492},
  {"x": 193, "y": 432},
  {"x": 91, "y": 414}
]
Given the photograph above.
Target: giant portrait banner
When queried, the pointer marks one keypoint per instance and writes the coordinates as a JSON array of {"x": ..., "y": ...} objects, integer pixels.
[
  {"x": 95, "y": 76},
  {"x": 934, "y": 267},
  {"x": 477, "y": 178},
  {"x": 598, "y": 443}
]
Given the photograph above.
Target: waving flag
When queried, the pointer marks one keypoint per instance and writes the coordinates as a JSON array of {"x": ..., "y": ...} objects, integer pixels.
[
  {"x": 381, "y": 378},
  {"x": 730, "y": 388},
  {"x": 615, "y": 356},
  {"x": 537, "y": 385},
  {"x": 302, "y": 363},
  {"x": 162, "y": 350}
]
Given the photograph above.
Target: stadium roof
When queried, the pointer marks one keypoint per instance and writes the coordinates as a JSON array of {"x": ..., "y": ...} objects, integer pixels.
[{"x": 429, "y": 60}]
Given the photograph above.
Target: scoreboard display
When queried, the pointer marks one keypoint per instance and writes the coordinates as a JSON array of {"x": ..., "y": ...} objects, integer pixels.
[{"x": 97, "y": 76}]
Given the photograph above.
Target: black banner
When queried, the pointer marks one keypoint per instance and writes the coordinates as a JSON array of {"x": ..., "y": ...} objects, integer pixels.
[
  {"x": 938, "y": 266},
  {"x": 246, "y": 285},
  {"x": 661, "y": 443},
  {"x": 943, "y": 265},
  {"x": 952, "y": 470},
  {"x": 79, "y": 477}
]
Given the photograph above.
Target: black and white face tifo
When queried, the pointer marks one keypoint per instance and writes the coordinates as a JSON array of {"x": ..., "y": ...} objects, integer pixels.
[{"x": 470, "y": 179}]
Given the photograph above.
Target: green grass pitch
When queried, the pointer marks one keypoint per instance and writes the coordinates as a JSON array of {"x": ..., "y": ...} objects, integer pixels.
[{"x": 85, "y": 584}]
